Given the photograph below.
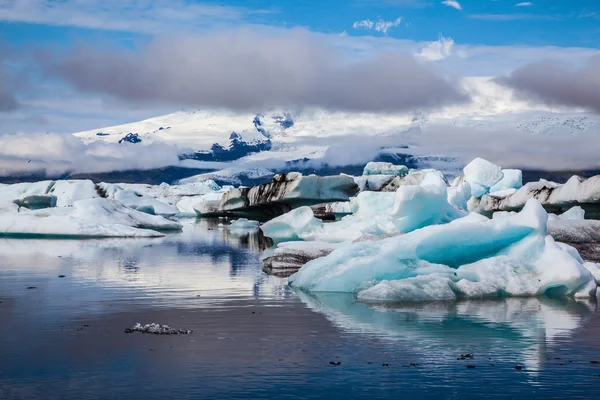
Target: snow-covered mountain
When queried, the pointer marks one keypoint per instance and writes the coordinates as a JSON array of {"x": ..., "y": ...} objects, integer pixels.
[{"x": 346, "y": 138}]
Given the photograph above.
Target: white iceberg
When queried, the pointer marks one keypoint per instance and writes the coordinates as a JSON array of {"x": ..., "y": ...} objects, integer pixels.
[
  {"x": 68, "y": 192},
  {"x": 206, "y": 205},
  {"x": 18, "y": 191},
  {"x": 577, "y": 191},
  {"x": 298, "y": 224},
  {"x": 374, "y": 213},
  {"x": 574, "y": 213},
  {"x": 511, "y": 256},
  {"x": 384, "y": 168},
  {"x": 86, "y": 218},
  {"x": 482, "y": 175},
  {"x": 511, "y": 179},
  {"x": 243, "y": 226},
  {"x": 459, "y": 193}
]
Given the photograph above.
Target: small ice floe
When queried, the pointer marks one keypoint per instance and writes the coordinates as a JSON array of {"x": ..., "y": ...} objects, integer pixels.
[{"x": 157, "y": 329}]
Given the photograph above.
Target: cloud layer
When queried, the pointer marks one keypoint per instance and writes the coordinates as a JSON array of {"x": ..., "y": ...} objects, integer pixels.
[
  {"x": 556, "y": 83},
  {"x": 56, "y": 154},
  {"x": 247, "y": 70}
]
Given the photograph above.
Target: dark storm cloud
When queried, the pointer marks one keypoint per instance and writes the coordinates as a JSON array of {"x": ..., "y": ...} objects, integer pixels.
[
  {"x": 251, "y": 71},
  {"x": 556, "y": 83}
]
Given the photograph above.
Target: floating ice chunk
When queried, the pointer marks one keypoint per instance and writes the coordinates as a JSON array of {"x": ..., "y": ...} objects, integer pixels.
[
  {"x": 208, "y": 205},
  {"x": 427, "y": 204},
  {"x": 18, "y": 191},
  {"x": 298, "y": 224},
  {"x": 504, "y": 257},
  {"x": 511, "y": 179},
  {"x": 288, "y": 257},
  {"x": 68, "y": 192},
  {"x": 373, "y": 182},
  {"x": 384, "y": 168},
  {"x": 138, "y": 200},
  {"x": 576, "y": 191},
  {"x": 574, "y": 213},
  {"x": 242, "y": 226},
  {"x": 372, "y": 204},
  {"x": 157, "y": 329},
  {"x": 459, "y": 193},
  {"x": 482, "y": 175},
  {"x": 87, "y": 218}
]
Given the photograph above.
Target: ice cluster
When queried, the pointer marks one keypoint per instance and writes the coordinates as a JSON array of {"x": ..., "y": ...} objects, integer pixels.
[
  {"x": 475, "y": 258},
  {"x": 419, "y": 242}
]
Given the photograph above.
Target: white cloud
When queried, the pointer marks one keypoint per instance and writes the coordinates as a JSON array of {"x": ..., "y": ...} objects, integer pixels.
[
  {"x": 364, "y": 24},
  {"x": 380, "y": 26},
  {"x": 452, "y": 3},
  {"x": 56, "y": 154},
  {"x": 524, "y": 4},
  {"x": 438, "y": 50},
  {"x": 383, "y": 26},
  {"x": 146, "y": 16}
]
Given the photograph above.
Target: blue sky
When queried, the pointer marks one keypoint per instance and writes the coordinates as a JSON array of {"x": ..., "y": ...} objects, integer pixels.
[
  {"x": 490, "y": 22},
  {"x": 489, "y": 37}
]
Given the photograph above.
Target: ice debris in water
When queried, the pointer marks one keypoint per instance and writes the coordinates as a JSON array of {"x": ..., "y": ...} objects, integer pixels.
[{"x": 157, "y": 329}]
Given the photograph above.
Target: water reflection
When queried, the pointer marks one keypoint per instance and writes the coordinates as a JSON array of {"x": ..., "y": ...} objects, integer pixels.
[
  {"x": 256, "y": 338},
  {"x": 532, "y": 326},
  {"x": 201, "y": 261}
]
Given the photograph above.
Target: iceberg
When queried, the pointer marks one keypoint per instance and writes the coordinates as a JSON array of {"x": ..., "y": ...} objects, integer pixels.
[
  {"x": 86, "y": 218},
  {"x": 243, "y": 226},
  {"x": 573, "y": 213},
  {"x": 557, "y": 198},
  {"x": 482, "y": 175},
  {"x": 286, "y": 192},
  {"x": 414, "y": 177},
  {"x": 207, "y": 205},
  {"x": 298, "y": 224},
  {"x": 20, "y": 191},
  {"x": 459, "y": 193},
  {"x": 510, "y": 256},
  {"x": 373, "y": 213},
  {"x": 137, "y": 200},
  {"x": 511, "y": 179},
  {"x": 287, "y": 258},
  {"x": 68, "y": 192},
  {"x": 384, "y": 168},
  {"x": 373, "y": 182}
]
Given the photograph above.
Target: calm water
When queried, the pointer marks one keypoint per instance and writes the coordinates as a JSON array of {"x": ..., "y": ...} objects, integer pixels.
[{"x": 254, "y": 337}]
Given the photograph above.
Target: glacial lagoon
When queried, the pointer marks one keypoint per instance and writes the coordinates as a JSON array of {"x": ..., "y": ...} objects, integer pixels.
[{"x": 255, "y": 337}]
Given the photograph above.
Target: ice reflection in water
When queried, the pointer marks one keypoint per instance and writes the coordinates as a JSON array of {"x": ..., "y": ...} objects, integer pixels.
[{"x": 532, "y": 325}]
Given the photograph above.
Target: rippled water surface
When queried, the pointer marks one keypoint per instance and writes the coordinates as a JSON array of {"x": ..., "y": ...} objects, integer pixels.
[{"x": 254, "y": 337}]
